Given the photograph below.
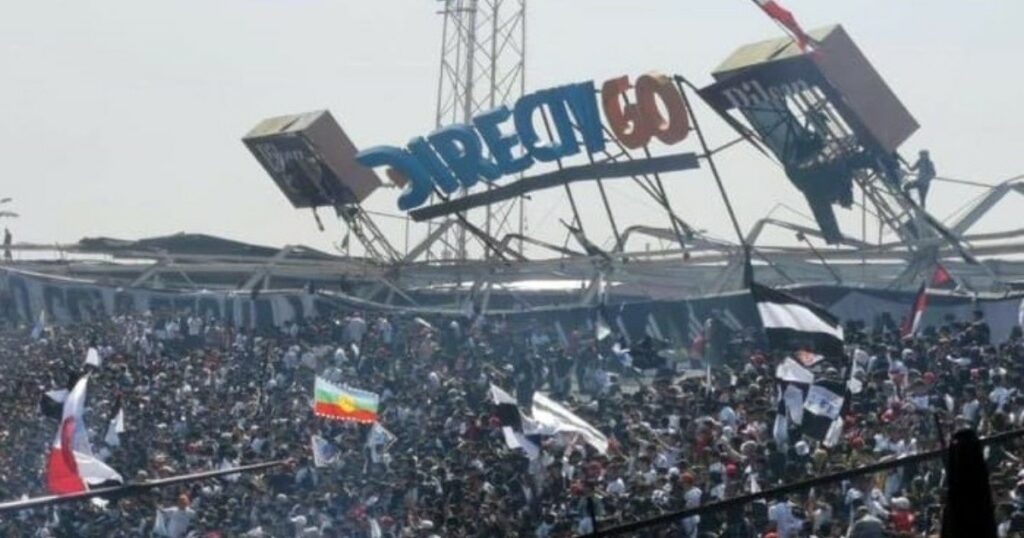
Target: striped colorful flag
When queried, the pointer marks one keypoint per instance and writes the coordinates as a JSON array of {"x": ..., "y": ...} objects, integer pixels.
[{"x": 344, "y": 403}]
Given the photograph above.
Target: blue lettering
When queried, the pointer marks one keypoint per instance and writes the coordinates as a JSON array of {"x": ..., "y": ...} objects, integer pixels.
[
  {"x": 460, "y": 147},
  {"x": 582, "y": 101},
  {"x": 443, "y": 177},
  {"x": 525, "y": 109},
  {"x": 488, "y": 125}
]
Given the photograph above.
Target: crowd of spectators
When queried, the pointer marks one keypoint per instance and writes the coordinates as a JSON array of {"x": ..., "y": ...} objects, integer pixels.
[{"x": 200, "y": 395}]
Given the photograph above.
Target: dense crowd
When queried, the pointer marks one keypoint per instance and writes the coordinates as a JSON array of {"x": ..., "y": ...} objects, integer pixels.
[{"x": 199, "y": 395}]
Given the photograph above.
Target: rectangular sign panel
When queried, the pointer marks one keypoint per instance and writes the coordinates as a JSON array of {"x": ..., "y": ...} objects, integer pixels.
[{"x": 311, "y": 159}]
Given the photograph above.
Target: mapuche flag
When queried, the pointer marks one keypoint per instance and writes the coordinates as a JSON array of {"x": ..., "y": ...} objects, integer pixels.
[{"x": 344, "y": 403}]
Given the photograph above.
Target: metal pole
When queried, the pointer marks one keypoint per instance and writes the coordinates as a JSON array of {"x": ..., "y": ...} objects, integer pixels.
[
  {"x": 568, "y": 191},
  {"x": 748, "y": 267}
]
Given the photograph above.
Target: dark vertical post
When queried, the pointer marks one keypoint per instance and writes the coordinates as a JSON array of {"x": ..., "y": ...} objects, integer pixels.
[{"x": 748, "y": 268}]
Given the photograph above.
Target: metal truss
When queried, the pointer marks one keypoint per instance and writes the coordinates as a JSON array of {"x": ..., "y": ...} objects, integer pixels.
[{"x": 483, "y": 62}]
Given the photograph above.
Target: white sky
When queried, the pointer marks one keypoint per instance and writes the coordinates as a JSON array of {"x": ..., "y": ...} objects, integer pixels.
[{"x": 124, "y": 118}]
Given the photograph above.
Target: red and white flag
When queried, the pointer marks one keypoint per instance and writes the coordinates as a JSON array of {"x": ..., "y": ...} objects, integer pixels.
[
  {"x": 912, "y": 323},
  {"x": 71, "y": 466},
  {"x": 785, "y": 18},
  {"x": 942, "y": 279}
]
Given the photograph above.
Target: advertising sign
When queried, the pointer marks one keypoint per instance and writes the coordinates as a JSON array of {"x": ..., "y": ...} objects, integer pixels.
[{"x": 545, "y": 126}]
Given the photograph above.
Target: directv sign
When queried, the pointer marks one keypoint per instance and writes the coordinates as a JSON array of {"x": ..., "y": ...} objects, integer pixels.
[{"x": 505, "y": 141}]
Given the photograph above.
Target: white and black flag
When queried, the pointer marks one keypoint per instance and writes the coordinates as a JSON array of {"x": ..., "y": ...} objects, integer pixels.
[
  {"x": 506, "y": 408},
  {"x": 51, "y": 403},
  {"x": 116, "y": 426},
  {"x": 808, "y": 406},
  {"x": 793, "y": 382},
  {"x": 822, "y": 408},
  {"x": 794, "y": 325}
]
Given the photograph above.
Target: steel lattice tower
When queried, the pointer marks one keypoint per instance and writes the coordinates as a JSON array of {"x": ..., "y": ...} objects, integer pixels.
[{"x": 483, "y": 55}]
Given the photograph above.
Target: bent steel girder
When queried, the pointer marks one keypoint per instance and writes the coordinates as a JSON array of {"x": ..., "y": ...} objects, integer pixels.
[{"x": 994, "y": 196}]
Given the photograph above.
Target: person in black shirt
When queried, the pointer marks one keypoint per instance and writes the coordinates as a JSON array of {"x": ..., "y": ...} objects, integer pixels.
[
  {"x": 980, "y": 330},
  {"x": 925, "y": 174},
  {"x": 8, "y": 239}
]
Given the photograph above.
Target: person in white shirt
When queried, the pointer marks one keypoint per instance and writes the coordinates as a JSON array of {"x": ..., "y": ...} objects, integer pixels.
[
  {"x": 971, "y": 407},
  {"x": 355, "y": 329},
  {"x": 692, "y": 498},
  {"x": 387, "y": 332},
  {"x": 782, "y": 514},
  {"x": 1001, "y": 396},
  {"x": 728, "y": 416},
  {"x": 195, "y": 326},
  {"x": 175, "y": 521}
]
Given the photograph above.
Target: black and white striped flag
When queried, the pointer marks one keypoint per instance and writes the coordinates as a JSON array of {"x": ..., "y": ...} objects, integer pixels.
[{"x": 795, "y": 325}]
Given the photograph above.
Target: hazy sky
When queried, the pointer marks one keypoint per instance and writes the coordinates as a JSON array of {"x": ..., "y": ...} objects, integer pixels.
[{"x": 124, "y": 117}]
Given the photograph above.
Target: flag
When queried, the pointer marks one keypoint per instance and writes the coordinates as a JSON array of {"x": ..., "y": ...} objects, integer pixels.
[
  {"x": 51, "y": 403},
  {"x": 513, "y": 423},
  {"x": 822, "y": 408},
  {"x": 92, "y": 357},
  {"x": 116, "y": 426},
  {"x": 516, "y": 440},
  {"x": 942, "y": 279},
  {"x": 652, "y": 329},
  {"x": 344, "y": 403},
  {"x": 71, "y": 466},
  {"x": 601, "y": 328},
  {"x": 912, "y": 323},
  {"x": 380, "y": 436},
  {"x": 785, "y": 17},
  {"x": 795, "y": 325},
  {"x": 794, "y": 381},
  {"x": 563, "y": 340},
  {"x": 37, "y": 329},
  {"x": 324, "y": 453},
  {"x": 554, "y": 416},
  {"x": 506, "y": 408},
  {"x": 621, "y": 325}
]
